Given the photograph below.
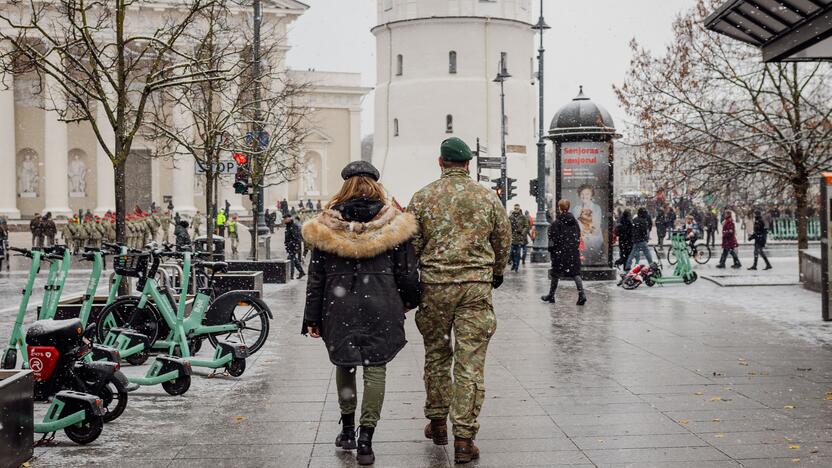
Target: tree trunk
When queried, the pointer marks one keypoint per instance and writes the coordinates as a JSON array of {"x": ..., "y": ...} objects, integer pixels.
[
  {"x": 801, "y": 193},
  {"x": 121, "y": 198}
]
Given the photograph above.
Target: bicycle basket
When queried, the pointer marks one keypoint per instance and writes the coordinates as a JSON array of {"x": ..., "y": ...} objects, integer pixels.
[{"x": 133, "y": 265}]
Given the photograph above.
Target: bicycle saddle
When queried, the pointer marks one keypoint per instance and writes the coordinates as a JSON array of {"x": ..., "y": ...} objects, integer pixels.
[{"x": 216, "y": 267}]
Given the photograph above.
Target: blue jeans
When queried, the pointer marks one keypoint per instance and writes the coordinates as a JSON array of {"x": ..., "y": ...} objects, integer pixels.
[
  {"x": 516, "y": 254},
  {"x": 638, "y": 247}
]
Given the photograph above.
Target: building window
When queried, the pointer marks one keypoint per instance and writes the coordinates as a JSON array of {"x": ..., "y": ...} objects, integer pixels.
[
  {"x": 452, "y": 62},
  {"x": 449, "y": 123},
  {"x": 504, "y": 62},
  {"x": 395, "y": 127},
  {"x": 399, "y": 65}
]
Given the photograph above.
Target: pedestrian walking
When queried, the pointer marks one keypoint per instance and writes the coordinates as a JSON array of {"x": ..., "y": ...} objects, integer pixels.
[
  {"x": 164, "y": 222},
  {"x": 233, "y": 235},
  {"x": 294, "y": 243},
  {"x": 220, "y": 221},
  {"x": 760, "y": 236},
  {"x": 50, "y": 230},
  {"x": 519, "y": 236},
  {"x": 196, "y": 222},
  {"x": 729, "y": 241},
  {"x": 463, "y": 246},
  {"x": 625, "y": 237},
  {"x": 532, "y": 236},
  {"x": 711, "y": 225},
  {"x": 36, "y": 229},
  {"x": 564, "y": 251},
  {"x": 360, "y": 235},
  {"x": 661, "y": 225},
  {"x": 641, "y": 235}
]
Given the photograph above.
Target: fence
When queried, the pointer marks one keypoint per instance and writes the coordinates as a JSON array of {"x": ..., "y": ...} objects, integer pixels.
[{"x": 786, "y": 229}]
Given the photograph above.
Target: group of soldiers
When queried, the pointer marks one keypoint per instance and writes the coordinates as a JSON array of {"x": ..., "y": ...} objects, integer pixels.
[{"x": 140, "y": 228}]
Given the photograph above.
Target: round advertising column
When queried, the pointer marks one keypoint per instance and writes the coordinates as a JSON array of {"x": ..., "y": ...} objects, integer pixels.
[{"x": 583, "y": 134}]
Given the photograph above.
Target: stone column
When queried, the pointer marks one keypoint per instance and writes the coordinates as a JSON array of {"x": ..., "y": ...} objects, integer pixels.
[
  {"x": 55, "y": 181},
  {"x": 183, "y": 170},
  {"x": 8, "y": 152},
  {"x": 355, "y": 133},
  {"x": 105, "y": 185}
]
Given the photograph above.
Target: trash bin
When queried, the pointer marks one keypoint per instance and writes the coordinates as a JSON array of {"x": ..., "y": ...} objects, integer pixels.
[
  {"x": 201, "y": 245},
  {"x": 16, "y": 416}
]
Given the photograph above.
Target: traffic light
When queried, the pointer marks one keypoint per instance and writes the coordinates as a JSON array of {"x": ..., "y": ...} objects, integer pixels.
[
  {"x": 241, "y": 159},
  {"x": 498, "y": 188},
  {"x": 512, "y": 189},
  {"x": 241, "y": 181},
  {"x": 534, "y": 188}
]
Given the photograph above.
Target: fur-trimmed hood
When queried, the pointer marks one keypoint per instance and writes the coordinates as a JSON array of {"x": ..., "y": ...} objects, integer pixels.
[{"x": 331, "y": 233}]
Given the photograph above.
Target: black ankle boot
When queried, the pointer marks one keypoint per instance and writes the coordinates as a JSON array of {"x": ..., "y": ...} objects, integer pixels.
[
  {"x": 549, "y": 298},
  {"x": 581, "y": 298},
  {"x": 365, "y": 455},
  {"x": 346, "y": 439}
]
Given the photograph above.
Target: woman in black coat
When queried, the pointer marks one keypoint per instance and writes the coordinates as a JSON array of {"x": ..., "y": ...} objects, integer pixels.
[
  {"x": 363, "y": 277},
  {"x": 564, "y": 249},
  {"x": 625, "y": 237},
  {"x": 760, "y": 236}
]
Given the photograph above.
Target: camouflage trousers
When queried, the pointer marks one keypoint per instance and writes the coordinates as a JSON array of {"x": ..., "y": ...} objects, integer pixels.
[{"x": 467, "y": 310}]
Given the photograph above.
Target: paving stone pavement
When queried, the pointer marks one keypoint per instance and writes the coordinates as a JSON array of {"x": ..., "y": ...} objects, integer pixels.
[{"x": 628, "y": 380}]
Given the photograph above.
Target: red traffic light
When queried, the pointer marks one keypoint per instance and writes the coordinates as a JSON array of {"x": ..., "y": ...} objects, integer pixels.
[{"x": 241, "y": 158}]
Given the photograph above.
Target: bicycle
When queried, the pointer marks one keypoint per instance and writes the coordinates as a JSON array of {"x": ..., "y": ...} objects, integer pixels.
[{"x": 699, "y": 252}]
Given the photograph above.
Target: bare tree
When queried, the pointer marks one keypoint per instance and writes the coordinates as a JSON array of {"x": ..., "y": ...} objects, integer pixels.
[
  {"x": 712, "y": 118},
  {"x": 94, "y": 61}
]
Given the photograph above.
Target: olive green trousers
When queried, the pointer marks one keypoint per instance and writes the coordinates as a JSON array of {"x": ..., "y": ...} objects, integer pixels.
[{"x": 373, "y": 399}]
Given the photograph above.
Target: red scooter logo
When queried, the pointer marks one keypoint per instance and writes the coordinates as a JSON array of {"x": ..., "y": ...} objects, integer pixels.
[{"x": 42, "y": 361}]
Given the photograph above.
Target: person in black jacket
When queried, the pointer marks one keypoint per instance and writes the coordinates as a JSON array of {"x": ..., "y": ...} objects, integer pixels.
[
  {"x": 760, "y": 236},
  {"x": 363, "y": 277},
  {"x": 625, "y": 237},
  {"x": 641, "y": 235},
  {"x": 293, "y": 243},
  {"x": 564, "y": 244},
  {"x": 180, "y": 233}
]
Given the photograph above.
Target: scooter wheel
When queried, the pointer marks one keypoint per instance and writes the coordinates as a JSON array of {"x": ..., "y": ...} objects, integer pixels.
[
  {"x": 114, "y": 397},
  {"x": 137, "y": 359},
  {"x": 690, "y": 279},
  {"x": 649, "y": 281},
  {"x": 85, "y": 432},
  {"x": 236, "y": 367},
  {"x": 629, "y": 284},
  {"x": 10, "y": 359},
  {"x": 177, "y": 386}
]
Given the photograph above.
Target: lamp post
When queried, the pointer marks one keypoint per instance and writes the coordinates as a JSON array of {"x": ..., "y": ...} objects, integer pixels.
[
  {"x": 258, "y": 226},
  {"x": 541, "y": 225},
  {"x": 502, "y": 76}
]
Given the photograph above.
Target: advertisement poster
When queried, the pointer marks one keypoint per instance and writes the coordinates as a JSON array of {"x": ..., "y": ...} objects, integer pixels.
[{"x": 584, "y": 182}]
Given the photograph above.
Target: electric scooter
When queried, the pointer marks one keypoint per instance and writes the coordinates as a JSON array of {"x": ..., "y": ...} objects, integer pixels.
[{"x": 128, "y": 314}]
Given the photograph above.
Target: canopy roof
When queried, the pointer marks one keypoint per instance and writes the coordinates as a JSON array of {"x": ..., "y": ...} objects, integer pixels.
[{"x": 785, "y": 30}]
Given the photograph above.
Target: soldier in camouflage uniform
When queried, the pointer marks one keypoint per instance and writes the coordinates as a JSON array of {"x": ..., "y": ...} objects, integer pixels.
[
  {"x": 80, "y": 235},
  {"x": 130, "y": 233},
  {"x": 164, "y": 222},
  {"x": 153, "y": 224},
  {"x": 463, "y": 245},
  {"x": 144, "y": 231},
  {"x": 68, "y": 235},
  {"x": 196, "y": 222}
]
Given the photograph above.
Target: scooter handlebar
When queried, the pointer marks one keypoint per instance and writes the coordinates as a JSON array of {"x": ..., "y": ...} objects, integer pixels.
[{"x": 21, "y": 251}]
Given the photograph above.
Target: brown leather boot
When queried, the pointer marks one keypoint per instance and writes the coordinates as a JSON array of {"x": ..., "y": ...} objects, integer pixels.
[
  {"x": 437, "y": 429},
  {"x": 465, "y": 450}
]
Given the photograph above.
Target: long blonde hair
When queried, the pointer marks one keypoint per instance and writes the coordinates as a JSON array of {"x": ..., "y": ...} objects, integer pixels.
[{"x": 358, "y": 187}]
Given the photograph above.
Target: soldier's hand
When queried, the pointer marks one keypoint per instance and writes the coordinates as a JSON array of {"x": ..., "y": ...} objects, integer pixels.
[
  {"x": 497, "y": 281},
  {"x": 314, "y": 332}
]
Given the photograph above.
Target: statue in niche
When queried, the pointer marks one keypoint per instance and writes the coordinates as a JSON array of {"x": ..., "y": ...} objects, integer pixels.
[
  {"x": 77, "y": 172},
  {"x": 309, "y": 177},
  {"x": 199, "y": 184},
  {"x": 27, "y": 178}
]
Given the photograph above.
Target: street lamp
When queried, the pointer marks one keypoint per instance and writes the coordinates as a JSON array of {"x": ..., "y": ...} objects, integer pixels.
[
  {"x": 258, "y": 226},
  {"x": 541, "y": 226},
  {"x": 502, "y": 76}
]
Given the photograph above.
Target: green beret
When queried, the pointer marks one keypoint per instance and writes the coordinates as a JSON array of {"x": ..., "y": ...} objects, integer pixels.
[{"x": 455, "y": 150}]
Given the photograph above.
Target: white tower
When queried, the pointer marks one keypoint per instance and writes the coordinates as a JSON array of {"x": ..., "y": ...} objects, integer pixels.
[{"x": 437, "y": 60}]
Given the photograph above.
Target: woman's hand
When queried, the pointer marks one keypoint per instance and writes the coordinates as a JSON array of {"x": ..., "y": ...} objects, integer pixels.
[{"x": 314, "y": 331}]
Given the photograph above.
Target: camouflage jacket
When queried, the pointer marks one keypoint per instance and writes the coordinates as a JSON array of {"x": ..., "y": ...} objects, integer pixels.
[
  {"x": 519, "y": 228},
  {"x": 464, "y": 232}
]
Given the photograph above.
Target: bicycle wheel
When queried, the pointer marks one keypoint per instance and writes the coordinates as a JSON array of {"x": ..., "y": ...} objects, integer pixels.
[
  {"x": 124, "y": 313},
  {"x": 252, "y": 316},
  {"x": 671, "y": 256},
  {"x": 703, "y": 254}
]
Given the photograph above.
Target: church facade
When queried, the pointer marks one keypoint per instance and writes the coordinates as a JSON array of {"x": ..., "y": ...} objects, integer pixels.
[
  {"x": 53, "y": 166},
  {"x": 436, "y": 62}
]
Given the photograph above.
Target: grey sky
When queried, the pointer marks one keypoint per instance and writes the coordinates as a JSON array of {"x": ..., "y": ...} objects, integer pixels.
[{"x": 588, "y": 44}]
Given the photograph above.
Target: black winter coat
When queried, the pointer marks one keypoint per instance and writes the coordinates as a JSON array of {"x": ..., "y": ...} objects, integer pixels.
[
  {"x": 564, "y": 244},
  {"x": 625, "y": 236},
  {"x": 641, "y": 229},
  {"x": 363, "y": 277},
  {"x": 292, "y": 239},
  {"x": 760, "y": 235}
]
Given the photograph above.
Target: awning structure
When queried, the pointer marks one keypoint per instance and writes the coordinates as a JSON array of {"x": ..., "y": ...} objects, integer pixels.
[{"x": 785, "y": 30}]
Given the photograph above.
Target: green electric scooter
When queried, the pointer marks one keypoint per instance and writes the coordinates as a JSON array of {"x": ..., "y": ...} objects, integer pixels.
[{"x": 683, "y": 272}]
